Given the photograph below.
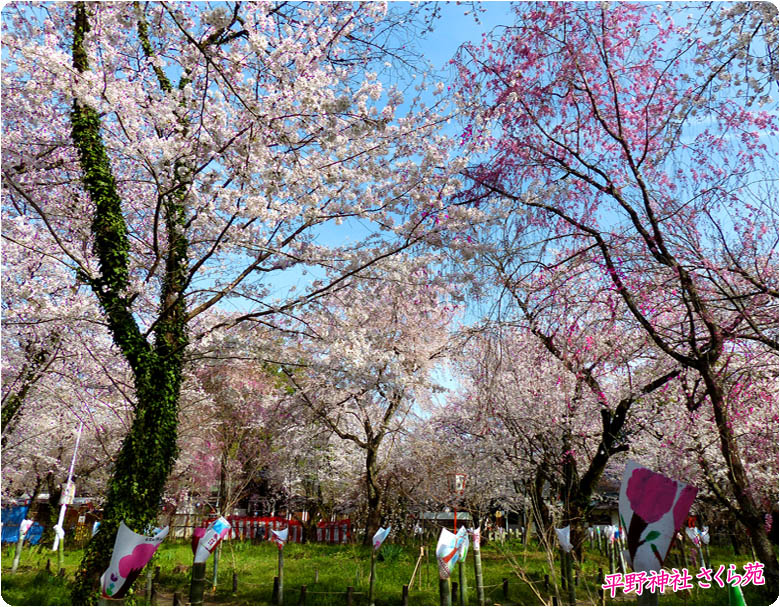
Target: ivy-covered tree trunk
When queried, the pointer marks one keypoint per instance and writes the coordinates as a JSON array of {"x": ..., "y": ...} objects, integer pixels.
[{"x": 149, "y": 449}]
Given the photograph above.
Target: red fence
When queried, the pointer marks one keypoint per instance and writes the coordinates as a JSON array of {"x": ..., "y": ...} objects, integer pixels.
[
  {"x": 259, "y": 528},
  {"x": 334, "y": 532}
]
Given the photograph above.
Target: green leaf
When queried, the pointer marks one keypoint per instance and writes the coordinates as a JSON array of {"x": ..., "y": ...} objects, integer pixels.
[{"x": 651, "y": 536}]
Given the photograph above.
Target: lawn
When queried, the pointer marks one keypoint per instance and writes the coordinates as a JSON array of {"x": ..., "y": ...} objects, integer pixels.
[{"x": 327, "y": 571}]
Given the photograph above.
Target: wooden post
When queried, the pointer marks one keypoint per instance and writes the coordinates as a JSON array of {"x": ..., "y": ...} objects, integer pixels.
[
  {"x": 176, "y": 598},
  {"x": 555, "y": 599},
  {"x": 462, "y": 584},
  {"x": 371, "y": 578},
  {"x": 348, "y": 601},
  {"x": 478, "y": 574},
  {"x": 445, "y": 598},
  {"x": 235, "y": 582},
  {"x": 564, "y": 578},
  {"x": 197, "y": 583},
  {"x": 405, "y": 595},
  {"x": 569, "y": 578},
  {"x": 275, "y": 591},
  {"x": 302, "y": 600},
  {"x": 280, "y": 587},
  {"x": 546, "y": 581},
  {"x": 454, "y": 589},
  {"x": 61, "y": 556},
  {"x": 505, "y": 587},
  {"x": 600, "y": 582},
  {"x": 149, "y": 585},
  {"x": 217, "y": 552},
  {"x": 683, "y": 559},
  {"x": 611, "y": 556},
  {"x": 18, "y": 552}
]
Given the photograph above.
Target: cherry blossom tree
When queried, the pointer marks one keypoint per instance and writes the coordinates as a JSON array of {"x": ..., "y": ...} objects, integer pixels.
[
  {"x": 246, "y": 400},
  {"x": 60, "y": 370},
  {"x": 611, "y": 124},
  {"x": 368, "y": 351},
  {"x": 181, "y": 157}
]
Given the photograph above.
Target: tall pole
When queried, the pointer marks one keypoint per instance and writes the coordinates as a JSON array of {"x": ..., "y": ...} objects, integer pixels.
[
  {"x": 64, "y": 506},
  {"x": 371, "y": 577}
]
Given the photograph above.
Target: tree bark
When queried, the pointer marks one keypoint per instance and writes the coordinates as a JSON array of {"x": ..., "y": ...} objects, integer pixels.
[
  {"x": 148, "y": 451},
  {"x": 750, "y": 515},
  {"x": 374, "y": 494}
]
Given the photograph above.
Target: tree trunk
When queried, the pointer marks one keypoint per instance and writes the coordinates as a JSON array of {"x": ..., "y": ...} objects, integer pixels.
[
  {"x": 750, "y": 515},
  {"x": 374, "y": 495},
  {"x": 149, "y": 450},
  {"x": 49, "y": 513},
  {"x": 140, "y": 473}
]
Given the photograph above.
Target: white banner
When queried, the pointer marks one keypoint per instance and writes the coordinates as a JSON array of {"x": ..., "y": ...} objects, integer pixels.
[
  {"x": 213, "y": 535},
  {"x": 380, "y": 537},
  {"x": 652, "y": 508},
  {"x": 449, "y": 550},
  {"x": 280, "y": 537},
  {"x": 131, "y": 553}
]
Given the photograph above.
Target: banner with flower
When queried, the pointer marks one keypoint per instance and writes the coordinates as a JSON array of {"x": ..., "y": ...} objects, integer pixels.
[
  {"x": 211, "y": 538},
  {"x": 131, "y": 553},
  {"x": 449, "y": 550},
  {"x": 380, "y": 537},
  {"x": 652, "y": 508},
  {"x": 699, "y": 536},
  {"x": 280, "y": 537}
]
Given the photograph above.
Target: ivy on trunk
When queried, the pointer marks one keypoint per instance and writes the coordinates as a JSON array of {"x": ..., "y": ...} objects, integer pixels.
[{"x": 148, "y": 452}]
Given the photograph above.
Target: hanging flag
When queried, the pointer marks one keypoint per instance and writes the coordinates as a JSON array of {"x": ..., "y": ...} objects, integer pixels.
[
  {"x": 475, "y": 537},
  {"x": 698, "y": 536},
  {"x": 652, "y": 508},
  {"x": 705, "y": 534},
  {"x": 131, "y": 553},
  {"x": 280, "y": 537},
  {"x": 448, "y": 550},
  {"x": 464, "y": 546},
  {"x": 212, "y": 536},
  {"x": 24, "y": 526},
  {"x": 564, "y": 536},
  {"x": 380, "y": 537}
]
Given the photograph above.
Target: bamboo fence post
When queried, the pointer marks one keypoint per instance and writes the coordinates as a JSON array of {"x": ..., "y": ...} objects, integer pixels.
[
  {"x": 371, "y": 578},
  {"x": 197, "y": 583},
  {"x": 445, "y": 598},
  {"x": 478, "y": 572},
  {"x": 280, "y": 589},
  {"x": 463, "y": 591}
]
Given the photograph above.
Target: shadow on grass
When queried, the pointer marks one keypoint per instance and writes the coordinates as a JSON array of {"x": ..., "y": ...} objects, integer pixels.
[{"x": 35, "y": 588}]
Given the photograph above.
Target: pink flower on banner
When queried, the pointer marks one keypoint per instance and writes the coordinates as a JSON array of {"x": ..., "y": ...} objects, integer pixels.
[
  {"x": 137, "y": 559},
  {"x": 687, "y": 495},
  {"x": 651, "y": 494}
]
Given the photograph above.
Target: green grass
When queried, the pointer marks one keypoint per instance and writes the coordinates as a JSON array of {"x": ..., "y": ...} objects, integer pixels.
[{"x": 336, "y": 567}]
